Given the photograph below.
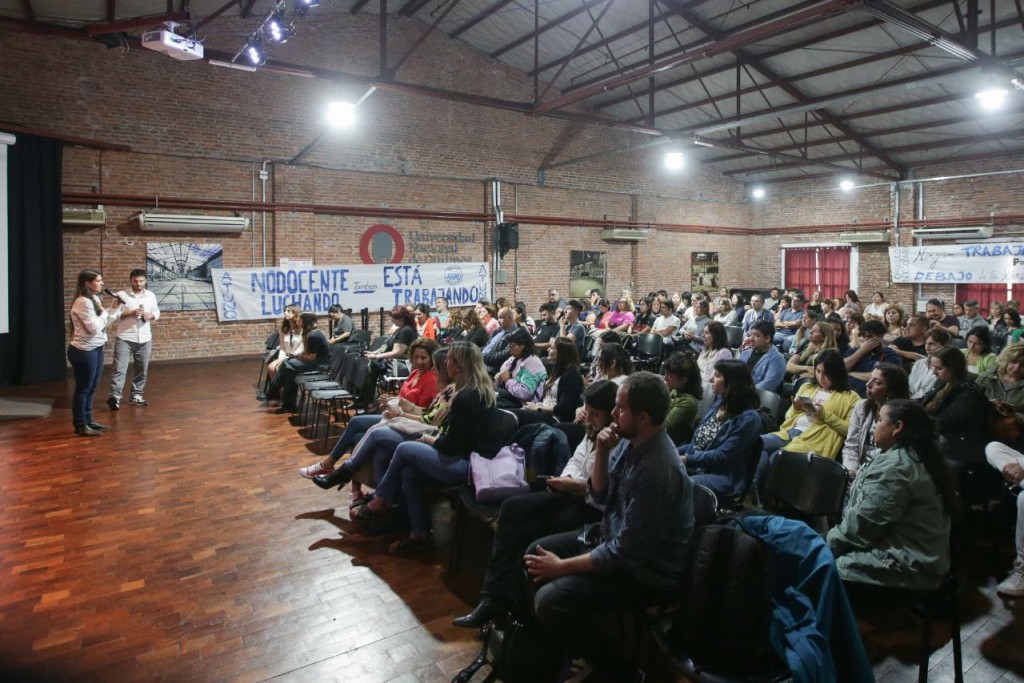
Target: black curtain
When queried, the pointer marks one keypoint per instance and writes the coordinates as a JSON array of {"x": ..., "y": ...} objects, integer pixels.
[{"x": 33, "y": 351}]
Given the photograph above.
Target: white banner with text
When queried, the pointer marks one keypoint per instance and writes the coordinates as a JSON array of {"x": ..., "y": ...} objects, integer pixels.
[
  {"x": 262, "y": 293},
  {"x": 989, "y": 263}
]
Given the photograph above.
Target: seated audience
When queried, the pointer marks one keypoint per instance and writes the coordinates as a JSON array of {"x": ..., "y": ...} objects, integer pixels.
[
  {"x": 870, "y": 352},
  {"x": 316, "y": 351},
  {"x": 621, "y": 318},
  {"x": 716, "y": 348},
  {"x": 803, "y": 359},
  {"x": 1010, "y": 464},
  {"x": 739, "y": 310},
  {"x": 645, "y": 317},
  {"x": 910, "y": 347},
  {"x": 613, "y": 363},
  {"x": 724, "y": 313},
  {"x": 418, "y": 400},
  {"x": 853, "y": 321},
  {"x": 289, "y": 342},
  {"x": 817, "y": 299},
  {"x": 818, "y": 420},
  {"x": 971, "y": 317},
  {"x": 666, "y": 323},
  {"x": 342, "y": 325},
  {"x": 935, "y": 311},
  {"x": 840, "y": 332},
  {"x": 895, "y": 319},
  {"x": 756, "y": 314},
  {"x": 1011, "y": 323},
  {"x": 996, "y": 325},
  {"x": 488, "y": 316},
  {"x": 523, "y": 519},
  {"x": 495, "y": 351},
  {"x": 876, "y": 309},
  {"x": 599, "y": 319},
  {"x": 958, "y": 406},
  {"x": 895, "y": 531},
  {"x": 886, "y": 381},
  {"x": 978, "y": 353},
  {"x": 922, "y": 379},
  {"x": 719, "y": 454},
  {"x": 562, "y": 388},
  {"x": 637, "y": 558},
  {"x": 852, "y": 302},
  {"x": 766, "y": 364},
  {"x": 1003, "y": 384},
  {"x": 398, "y": 343},
  {"x": 521, "y": 377},
  {"x": 787, "y": 321},
  {"x": 547, "y": 329},
  {"x": 807, "y": 322},
  {"x": 442, "y": 317},
  {"x": 683, "y": 379},
  {"x": 571, "y": 327},
  {"x": 474, "y": 331},
  {"x": 690, "y": 336},
  {"x": 444, "y": 459},
  {"x": 559, "y": 303},
  {"x": 426, "y": 326},
  {"x": 772, "y": 302}
]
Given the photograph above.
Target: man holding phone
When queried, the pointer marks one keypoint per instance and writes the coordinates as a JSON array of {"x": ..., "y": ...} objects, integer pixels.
[
  {"x": 637, "y": 557},
  {"x": 524, "y": 519}
]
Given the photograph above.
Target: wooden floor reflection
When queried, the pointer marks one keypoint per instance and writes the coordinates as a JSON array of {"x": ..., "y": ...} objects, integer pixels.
[{"x": 182, "y": 545}]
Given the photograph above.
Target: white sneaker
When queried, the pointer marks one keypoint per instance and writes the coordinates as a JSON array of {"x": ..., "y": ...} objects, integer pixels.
[
  {"x": 1013, "y": 585},
  {"x": 314, "y": 470}
]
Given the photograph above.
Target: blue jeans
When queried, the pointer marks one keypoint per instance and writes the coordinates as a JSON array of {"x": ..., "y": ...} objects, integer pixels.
[
  {"x": 354, "y": 431},
  {"x": 772, "y": 444},
  {"x": 413, "y": 464},
  {"x": 379, "y": 446},
  {"x": 87, "y": 366}
]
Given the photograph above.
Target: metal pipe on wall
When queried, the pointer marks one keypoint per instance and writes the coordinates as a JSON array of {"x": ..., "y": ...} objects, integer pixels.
[
  {"x": 263, "y": 180},
  {"x": 499, "y": 218}
]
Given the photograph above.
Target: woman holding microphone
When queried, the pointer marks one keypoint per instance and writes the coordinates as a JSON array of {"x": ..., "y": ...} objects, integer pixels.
[{"x": 89, "y": 322}]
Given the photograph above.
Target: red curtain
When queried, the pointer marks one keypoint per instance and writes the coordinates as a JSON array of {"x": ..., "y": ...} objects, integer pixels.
[
  {"x": 834, "y": 271},
  {"x": 987, "y": 293},
  {"x": 801, "y": 267}
]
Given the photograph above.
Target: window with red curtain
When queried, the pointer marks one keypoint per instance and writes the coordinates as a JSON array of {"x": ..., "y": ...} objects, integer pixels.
[
  {"x": 987, "y": 293},
  {"x": 834, "y": 271},
  {"x": 814, "y": 268},
  {"x": 801, "y": 270}
]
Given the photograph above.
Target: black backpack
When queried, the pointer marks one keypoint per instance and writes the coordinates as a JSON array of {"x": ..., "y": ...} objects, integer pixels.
[
  {"x": 518, "y": 651},
  {"x": 722, "y": 626}
]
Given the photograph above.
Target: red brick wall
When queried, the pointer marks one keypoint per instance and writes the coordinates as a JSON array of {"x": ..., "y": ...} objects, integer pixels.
[{"x": 200, "y": 132}]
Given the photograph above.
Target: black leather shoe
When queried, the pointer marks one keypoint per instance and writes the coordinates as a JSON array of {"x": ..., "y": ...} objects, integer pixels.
[
  {"x": 481, "y": 614},
  {"x": 338, "y": 477},
  {"x": 86, "y": 430},
  {"x": 98, "y": 427}
]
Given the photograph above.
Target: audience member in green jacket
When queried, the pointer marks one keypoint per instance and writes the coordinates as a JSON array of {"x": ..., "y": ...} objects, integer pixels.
[
  {"x": 1005, "y": 382},
  {"x": 895, "y": 531},
  {"x": 682, "y": 375},
  {"x": 978, "y": 353}
]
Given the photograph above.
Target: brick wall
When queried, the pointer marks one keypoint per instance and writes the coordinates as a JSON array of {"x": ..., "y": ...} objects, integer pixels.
[{"x": 196, "y": 131}]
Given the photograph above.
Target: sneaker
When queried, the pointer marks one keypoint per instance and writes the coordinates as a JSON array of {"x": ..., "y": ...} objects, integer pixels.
[
  {"x": 137, "y": 400},
  {"x": 314, "y": 470},
  {"x": 114, "y": 402},
  {"x": 1013, "y": 585}
]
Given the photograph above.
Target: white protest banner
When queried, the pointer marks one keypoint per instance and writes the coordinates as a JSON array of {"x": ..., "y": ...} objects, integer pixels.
[
  {"x": 990, "y": 263},
  {"x": 262, "y": 293}
]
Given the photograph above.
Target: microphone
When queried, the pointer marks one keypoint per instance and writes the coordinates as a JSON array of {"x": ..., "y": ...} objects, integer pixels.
[{"x": 106, "y": 290}]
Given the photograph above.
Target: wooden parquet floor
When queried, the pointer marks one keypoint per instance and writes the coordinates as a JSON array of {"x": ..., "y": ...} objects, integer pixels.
[{"x": 183, "y": 546}]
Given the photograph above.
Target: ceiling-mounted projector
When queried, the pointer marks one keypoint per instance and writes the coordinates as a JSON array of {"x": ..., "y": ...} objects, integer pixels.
[{"x": 171, "y": 44}]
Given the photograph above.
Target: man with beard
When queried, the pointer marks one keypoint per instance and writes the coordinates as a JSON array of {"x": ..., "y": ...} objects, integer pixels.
[
  {"x": 524, "y": 519},
  {"x": 134, "y": 339},
  {"x": 635, "y": 558}
]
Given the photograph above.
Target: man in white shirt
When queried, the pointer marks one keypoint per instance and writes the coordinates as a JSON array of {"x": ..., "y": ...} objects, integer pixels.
[
  {"x": 666, "y": 323},
  {"x": 756, "y": 314},
  {"x": 134, "y": 339}
]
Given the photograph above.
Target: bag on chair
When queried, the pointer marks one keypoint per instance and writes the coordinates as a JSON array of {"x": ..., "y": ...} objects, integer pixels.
[{"x": 500, "y": 477}]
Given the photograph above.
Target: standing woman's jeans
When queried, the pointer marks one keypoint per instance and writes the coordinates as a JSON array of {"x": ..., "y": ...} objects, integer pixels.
[
  {"x": 414, "y": 464},
  {"x": 87, "y": 366}
]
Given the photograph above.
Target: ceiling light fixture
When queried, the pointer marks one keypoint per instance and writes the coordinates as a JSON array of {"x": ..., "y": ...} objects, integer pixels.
[
  {"x": 254, "y": 51},
  {"x": 341, "y": 115},
  {"x": 992, "y": 98},
  {"x": 674, "y": 161},
  {"x": 757, "y": 193},
  {"x": 278, "y": 28},
  {"x": 846, "y": 184}
]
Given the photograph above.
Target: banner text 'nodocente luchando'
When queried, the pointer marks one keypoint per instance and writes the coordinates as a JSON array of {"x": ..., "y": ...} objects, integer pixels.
[{"x": 262, "y": 293}]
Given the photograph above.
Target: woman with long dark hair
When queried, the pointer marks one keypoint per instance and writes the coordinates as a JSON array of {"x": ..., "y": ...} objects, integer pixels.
[
  {"x": 563, "y": 388},
  {"x": 289, "y": 338},
  {"x": 613, "y": 363},
  {"x": 958, "y": 406},
  {"x": 719, "y": 454},
  {"x": 521, "y": 377},
  {"x": 716, "y": 348},
  {"x": 89, "y": 322},
  {"x": 473, "y": 330},
  {"x": 895, "y": 532},
  {"x": 682, "y": 375},
  {"x": 978, "y": 353},
  {"x": 644, "y": 318},
  {"x": 886, "y": 382}
]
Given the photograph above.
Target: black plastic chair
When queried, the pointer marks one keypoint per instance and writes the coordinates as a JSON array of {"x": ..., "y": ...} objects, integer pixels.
[
  {"x": 705, "y": 506},
  {"x": 650, "y": 348},
  {"x": 271, "y": 347},
  {"x": 734, "y": 335},
  {"x": 811, "y": 486}
]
